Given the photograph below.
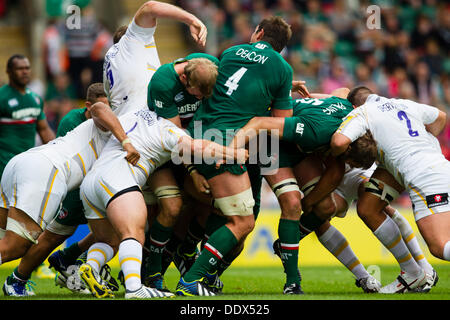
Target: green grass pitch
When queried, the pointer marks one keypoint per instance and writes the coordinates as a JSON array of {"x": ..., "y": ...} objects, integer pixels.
[{"x": 266, "y": 283}]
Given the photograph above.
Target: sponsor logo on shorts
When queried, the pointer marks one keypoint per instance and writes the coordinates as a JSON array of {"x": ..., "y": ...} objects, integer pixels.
[
  {"x": 63, "y": 213},
  {"x": 436, "y": 200}
]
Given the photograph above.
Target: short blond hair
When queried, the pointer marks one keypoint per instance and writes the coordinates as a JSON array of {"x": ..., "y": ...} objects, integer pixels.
[{"x": 201, "y": 73}]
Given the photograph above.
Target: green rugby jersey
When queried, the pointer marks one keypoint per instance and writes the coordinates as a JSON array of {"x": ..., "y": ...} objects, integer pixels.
[
  {"x": 70, "y": 121},
  {"x": 252, "y": 78},
  {"x": 315, "y": 121},
  {"x": 19, "y": 114},
  {"x": 168, "y": 97}
]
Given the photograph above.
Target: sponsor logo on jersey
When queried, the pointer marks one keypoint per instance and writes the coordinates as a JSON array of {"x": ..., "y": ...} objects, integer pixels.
[
  {"x": 300, "y": 128},
  {"x": 26, "y": 113},
  {"x": 13, "y": 102},
  {"x": 436, "y": 200},
  {"x": 261, "y": 46},
  {"x": 179, "y": 97},
  {"x": 159, "y": 104}
]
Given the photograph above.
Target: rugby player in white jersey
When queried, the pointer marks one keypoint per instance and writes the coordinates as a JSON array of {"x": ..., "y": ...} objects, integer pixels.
[
  {"x": 115, "y": 206},
  {"x": 409, "y": 158},
  {"x": 35, "y": 182},
  {"x": 132, "y": 61}
]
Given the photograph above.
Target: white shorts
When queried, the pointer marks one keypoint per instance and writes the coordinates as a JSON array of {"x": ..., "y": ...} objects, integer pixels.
[
  {"x": 31, "y": 183},
  {"x": 103, "y": 183},
  {"x": 430, "y": 191},
  {"x": 349, "y": 186}
]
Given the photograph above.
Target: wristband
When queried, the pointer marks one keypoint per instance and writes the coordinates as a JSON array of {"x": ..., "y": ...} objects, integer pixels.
[
  {"x": 125, "y": 141},
  {"x": 191, "y": 169}
]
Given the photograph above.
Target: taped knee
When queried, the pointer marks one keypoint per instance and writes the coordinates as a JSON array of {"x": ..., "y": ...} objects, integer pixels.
[
  {"x": 165, "y": 192},
  {"x": 381, "y": 190},
  {"x": 286, "y": 186},
  {"x": 19, "y": 229},
  {"x": 308, "y": 187},
  {"x": 240, "y": 204},
  {"x": 60, "y": 229}
]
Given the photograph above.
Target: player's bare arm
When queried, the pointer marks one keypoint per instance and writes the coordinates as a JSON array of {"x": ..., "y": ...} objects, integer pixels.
[
  {"x": 273, "y": 125},
  {"x": 438, "y": 125},
  {"x": 211, "y": 150},
  {"x": 106, "y": 120},
  {"x": 329, "y": 181},
  {"x": 339, "y": 144},
  {"x": 152, "y": 10},
  {"x": 44, "y": 131}
]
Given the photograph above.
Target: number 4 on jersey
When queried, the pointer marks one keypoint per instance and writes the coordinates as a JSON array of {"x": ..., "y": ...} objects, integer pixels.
[{"x": 233, "y": 82}]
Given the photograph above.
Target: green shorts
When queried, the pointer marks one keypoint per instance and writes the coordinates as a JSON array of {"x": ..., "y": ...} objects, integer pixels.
[
  {"x": 210, "y": 171},
  {"x": 288, "y": 155},
  {"x": 72, "y": 213}
]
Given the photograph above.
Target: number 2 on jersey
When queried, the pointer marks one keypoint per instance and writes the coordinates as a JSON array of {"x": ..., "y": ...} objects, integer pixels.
[
  {"x": 403, "y": 116},
  {"x": 233, "y": 82}
]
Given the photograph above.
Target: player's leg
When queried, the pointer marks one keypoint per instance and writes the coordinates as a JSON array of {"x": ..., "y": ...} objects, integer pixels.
[
  {"x": 233, "y": 196},
  {"x": 410, "y": 239},
  {"x": 381, "y": 189},
  {"x": 308, "y": 173},
  {"x": 169, "y": 199},
  {"x": 285, "y": 187},
  {"x": 435, "y": 230},
  {"x": 429, "y": 193},
  {"x": 130, "y": 228},
  {"x": 20, "y": 235},
  {"x": 3, "y": 219}
]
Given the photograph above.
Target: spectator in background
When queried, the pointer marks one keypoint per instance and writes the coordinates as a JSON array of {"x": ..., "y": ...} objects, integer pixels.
[
  {"x": 424, "y": 85},
  {"x": 60, "y": 99},
  {"x": 336, "y": 78},
  {"x": 84, "y": 47}
]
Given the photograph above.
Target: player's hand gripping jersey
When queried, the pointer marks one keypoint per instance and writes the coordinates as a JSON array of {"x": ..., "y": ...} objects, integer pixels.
[{"x": 129, "y": 66}]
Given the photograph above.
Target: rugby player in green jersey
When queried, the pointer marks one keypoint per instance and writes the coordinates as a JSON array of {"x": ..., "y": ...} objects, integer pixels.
[
  {"x": 175, "y": 93},
  {"x": 252, "y": 78},
  {"x": 21, "y": 114}
]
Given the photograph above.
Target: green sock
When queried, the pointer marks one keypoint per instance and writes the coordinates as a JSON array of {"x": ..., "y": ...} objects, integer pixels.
[
  {"x": 213, "y": 223},
  {"x": 218, "y": 245},
  {"x": 309, "y": 222},
  {"x": 159, "y": 237},
  {"x": 194, "y": 235},
  {"x": 71, "y": 253},
  {"x": 289, "y": 235},
  {"x": 228, "y": 260}
]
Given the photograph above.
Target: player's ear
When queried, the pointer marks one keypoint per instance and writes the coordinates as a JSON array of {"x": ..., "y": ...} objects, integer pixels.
[
  {"x": 88, "y": 105},
  {"x": 260, "y": 34}
]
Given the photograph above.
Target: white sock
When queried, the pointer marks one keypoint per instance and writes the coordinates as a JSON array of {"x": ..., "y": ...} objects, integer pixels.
[
  {"x": 2, "y": 233},
  {"x": 446, "y": 251},
  {"x": 98, "y": 255},
  {"x": 335, "y": 242},
  {"x": 411, "y": 241},
  {"x": 389, "y": 235},
  {"x": 130, "y": 259}
]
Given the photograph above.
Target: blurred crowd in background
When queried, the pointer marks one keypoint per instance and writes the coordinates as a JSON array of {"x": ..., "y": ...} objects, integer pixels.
[{"x": 408, "y": 56}]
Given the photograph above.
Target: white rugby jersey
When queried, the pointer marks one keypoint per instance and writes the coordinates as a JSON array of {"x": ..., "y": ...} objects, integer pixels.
[
  {"x": 398, "y": 127},
  {"x": 153, "y": 137},
  {"x": 75, "y": 153},
  {"x": 129, "y": 65}
]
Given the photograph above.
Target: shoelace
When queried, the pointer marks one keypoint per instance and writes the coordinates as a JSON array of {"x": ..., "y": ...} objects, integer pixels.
[{"x": 30, "y": 285}]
